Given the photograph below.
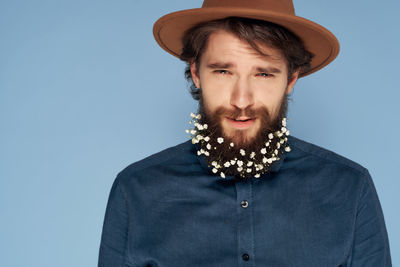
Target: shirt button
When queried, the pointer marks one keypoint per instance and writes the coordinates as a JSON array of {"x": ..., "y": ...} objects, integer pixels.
[
  {"x": 245, "y": 257},
  {"x": 244, "y": 204}
]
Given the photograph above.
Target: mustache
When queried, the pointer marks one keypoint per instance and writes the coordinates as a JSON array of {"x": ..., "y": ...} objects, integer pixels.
[{"x": 247, "y": 112}]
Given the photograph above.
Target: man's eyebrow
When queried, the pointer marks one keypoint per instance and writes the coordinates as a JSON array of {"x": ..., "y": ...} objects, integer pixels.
[
  {"x": 220, "y": 65},
  {"x": 226, "y": 65},
  {"x": 269, "y": 70}
]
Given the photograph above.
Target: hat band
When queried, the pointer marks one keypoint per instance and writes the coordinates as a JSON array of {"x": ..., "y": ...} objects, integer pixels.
[{"x": 281, "y": 6}]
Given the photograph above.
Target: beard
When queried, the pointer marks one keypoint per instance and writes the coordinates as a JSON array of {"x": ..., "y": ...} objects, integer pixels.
[{"x": 237, "y": 154}]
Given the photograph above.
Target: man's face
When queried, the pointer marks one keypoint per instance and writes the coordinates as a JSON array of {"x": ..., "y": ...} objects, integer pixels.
[{"x": 238, "y": 85}]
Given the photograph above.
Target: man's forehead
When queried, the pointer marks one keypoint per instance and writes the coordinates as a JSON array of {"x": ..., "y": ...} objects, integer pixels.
[{"x": 222, "y": 46}]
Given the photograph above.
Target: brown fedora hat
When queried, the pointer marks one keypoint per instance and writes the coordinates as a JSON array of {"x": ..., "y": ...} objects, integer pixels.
[{"x": 169, "y": 29}]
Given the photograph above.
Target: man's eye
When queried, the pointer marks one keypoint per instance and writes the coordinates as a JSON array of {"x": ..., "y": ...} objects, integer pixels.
[
  {"x": 263, "y": 74},
  {"x": 222, "y": 71}
]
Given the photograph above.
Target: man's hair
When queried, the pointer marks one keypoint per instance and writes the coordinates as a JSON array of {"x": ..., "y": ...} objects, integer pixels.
[{"x": 250, "y": 30}]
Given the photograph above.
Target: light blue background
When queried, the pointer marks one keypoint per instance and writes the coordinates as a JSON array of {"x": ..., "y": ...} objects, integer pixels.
[{"x": 85, "y": 91}]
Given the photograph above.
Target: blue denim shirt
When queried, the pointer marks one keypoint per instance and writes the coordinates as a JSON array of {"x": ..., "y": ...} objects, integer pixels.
[{"x": 315, "y": 208}]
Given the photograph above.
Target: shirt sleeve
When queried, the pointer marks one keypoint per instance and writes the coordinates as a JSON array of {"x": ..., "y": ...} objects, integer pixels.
[
  {"x": 115, "y": 229},
  {"x": 371, "y": 244}
]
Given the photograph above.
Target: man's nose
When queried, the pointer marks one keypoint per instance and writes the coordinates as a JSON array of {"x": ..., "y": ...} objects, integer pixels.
[{"x": 242, "y": 94}]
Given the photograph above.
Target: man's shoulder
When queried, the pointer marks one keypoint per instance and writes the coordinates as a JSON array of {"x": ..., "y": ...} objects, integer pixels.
[
  {"x": 171, "y": 155},
  {"x": 323, "y": 156}
]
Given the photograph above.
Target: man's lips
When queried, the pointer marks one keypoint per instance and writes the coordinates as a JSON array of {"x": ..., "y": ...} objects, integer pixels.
[{"x": 241, "y": 122}]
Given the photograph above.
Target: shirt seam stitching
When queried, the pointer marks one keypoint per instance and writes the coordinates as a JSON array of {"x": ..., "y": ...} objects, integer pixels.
[
  {"x": 350, "y": 252},
  {"x": 362, "y": 171},
  {"x": 145, "y": 165},
  {"x": 128, "y": 260}
]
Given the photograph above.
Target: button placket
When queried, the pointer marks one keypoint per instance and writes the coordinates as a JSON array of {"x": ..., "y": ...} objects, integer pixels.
[{"x": 245, "y": 223}]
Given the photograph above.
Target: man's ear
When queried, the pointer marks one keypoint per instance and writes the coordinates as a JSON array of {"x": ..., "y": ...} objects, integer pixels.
[
  {"x": 195, "y": 74},
  {"x": 292, "y": 82}
]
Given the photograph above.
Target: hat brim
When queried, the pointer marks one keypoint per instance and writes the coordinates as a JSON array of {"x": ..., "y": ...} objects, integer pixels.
[{"x": 169, "y": 29}]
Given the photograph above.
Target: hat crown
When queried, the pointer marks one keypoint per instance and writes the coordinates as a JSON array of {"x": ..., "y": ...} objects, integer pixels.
[
  {"x": 170, "y": 29},
  {"x": 280, "y": 6}
]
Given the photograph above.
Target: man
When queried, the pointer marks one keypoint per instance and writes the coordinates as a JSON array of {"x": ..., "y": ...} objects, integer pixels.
[{"x": 242, "y": 191}]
